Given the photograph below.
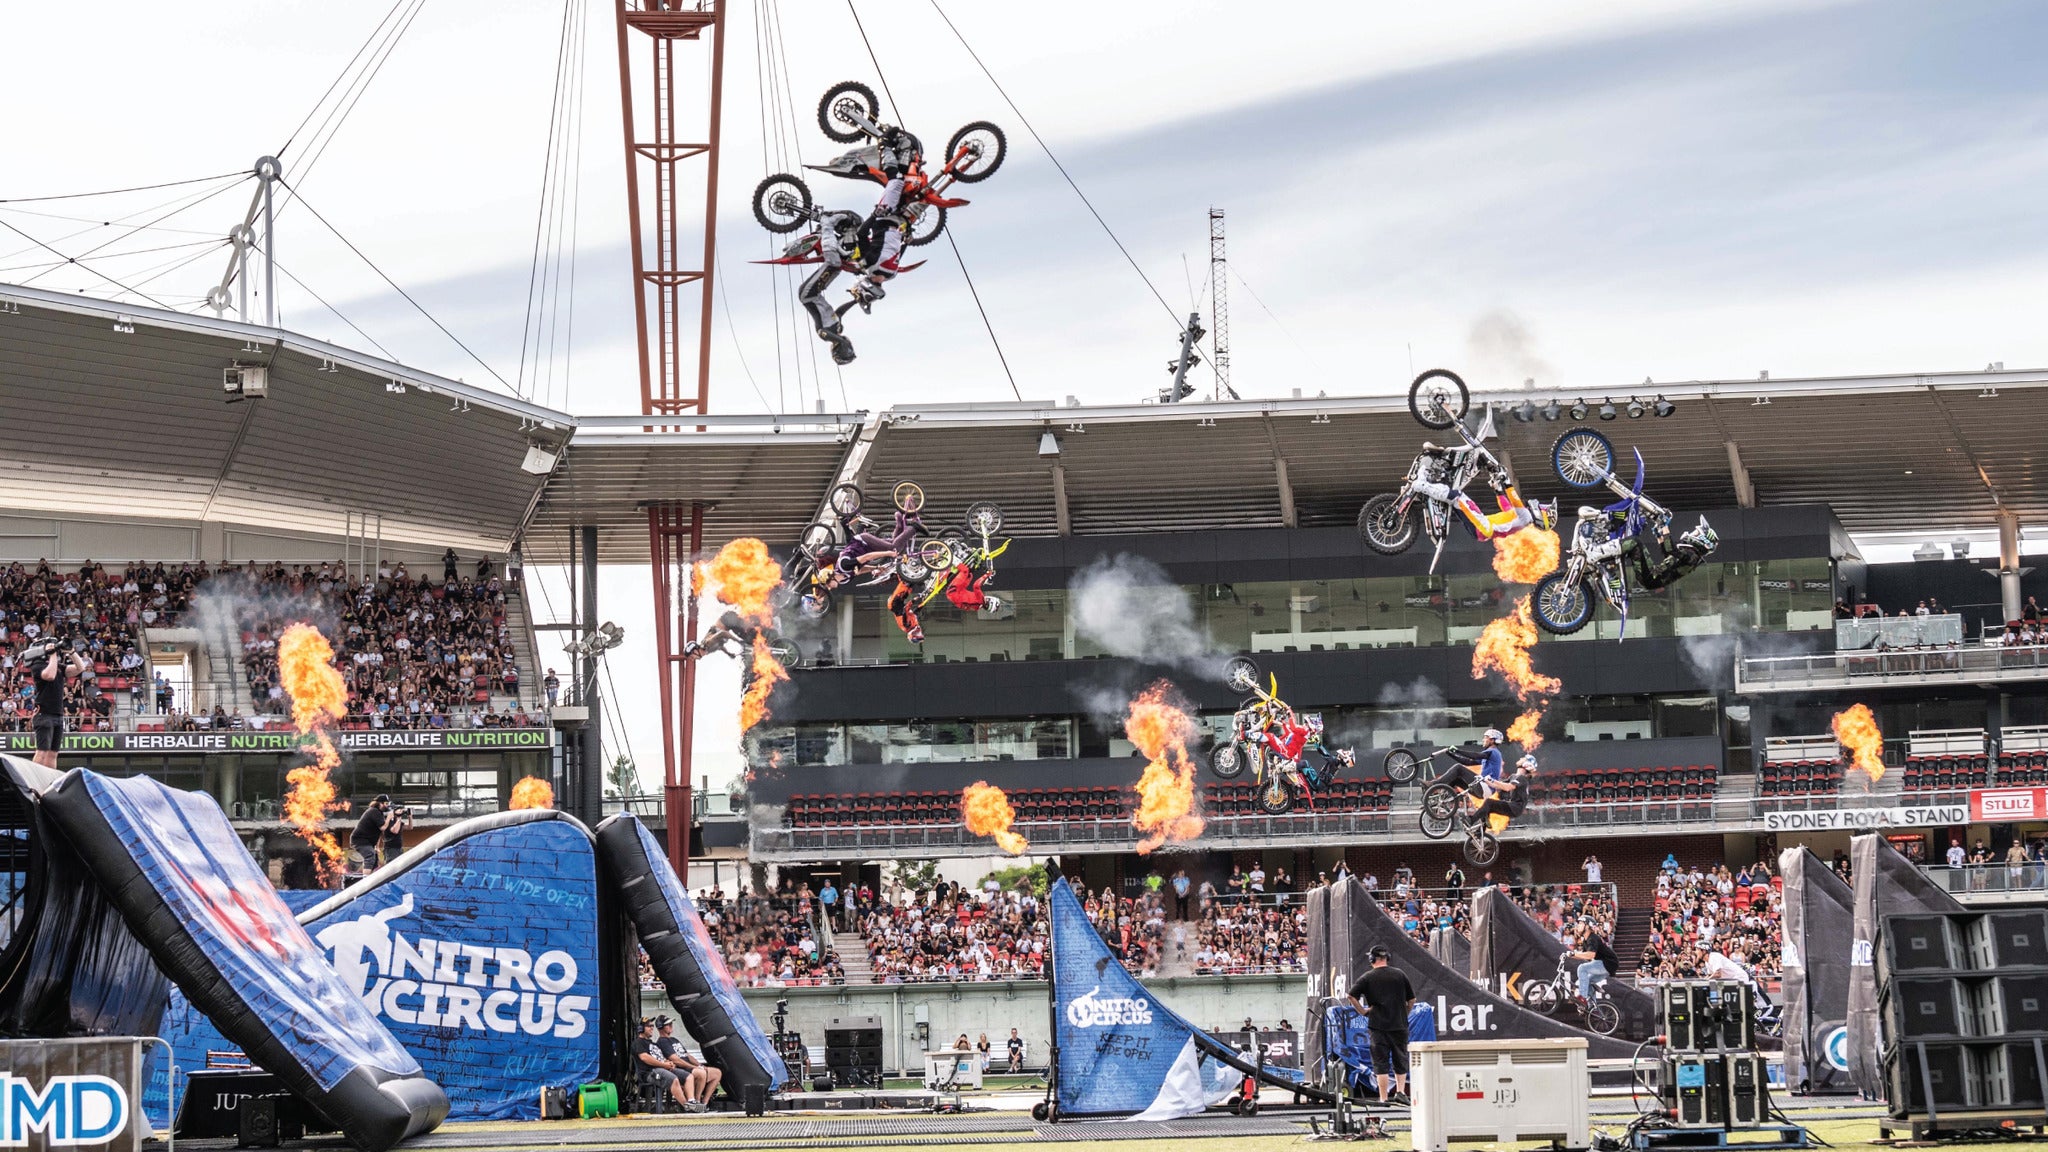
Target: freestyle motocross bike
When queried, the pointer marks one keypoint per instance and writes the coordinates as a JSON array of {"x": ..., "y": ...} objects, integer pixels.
[
  {"x": 972, "y": 546},
  {"x": 1446, "y": 809},
  {"x": 808, "y": 580},
  {"x": 1562, "y": 989},
  {"x": 1265, "y": 734},
  {"x": 1605, "y": 540},
  {"x": 1390, "y": 521},
  {"x": 849, "y": 114}
]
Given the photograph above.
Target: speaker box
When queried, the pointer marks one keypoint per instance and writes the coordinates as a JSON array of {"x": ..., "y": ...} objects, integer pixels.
[
  {"x": 1918, "y": 944},
  {"x": 2009, "y": 1075},
  {"x": 1913, "y": 1009},
  {"x": 2007, "y": 1004},
  {"x": 256, "y": 1123},
  {"x": 853, "y": 1051},
  {"x": 1749, "y": 1102},
  {"x": 754, "y": 1099},
  {"x": 2007, "y": 940},
  {"x": 1948, "y": 1073}
]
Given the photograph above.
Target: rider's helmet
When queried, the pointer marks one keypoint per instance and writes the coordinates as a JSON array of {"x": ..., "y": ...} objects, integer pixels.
[
  {"x": 1492, "y": 736},
  {"x": 1527, "y": 763},
  {"x": 1313, "y": 723}
]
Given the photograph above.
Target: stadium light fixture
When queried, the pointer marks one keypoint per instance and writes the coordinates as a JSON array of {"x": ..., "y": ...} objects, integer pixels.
[
  {"x": 1048, "y": 444},
  {"x": 1526, "y": 411},
  {"x": 1607, "y": 410},
  {"x": 1579, "y": 410},
  {"x": 1664, "y": 407},
  {"x": 1635, "y": 408},
  {"x": 1551, "y": 411}
]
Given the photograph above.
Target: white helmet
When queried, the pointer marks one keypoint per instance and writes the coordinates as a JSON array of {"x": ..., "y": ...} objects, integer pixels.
[
  {"x": 1526, "y": 763},
  {"x": 1492, "y": 734}
]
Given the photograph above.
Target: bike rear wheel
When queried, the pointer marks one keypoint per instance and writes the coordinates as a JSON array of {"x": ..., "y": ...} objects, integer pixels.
[
  {"x": 1401, "y": 765},
  {"x": 1241, "y": 674},
  {"x": 846, "y": 499},
  {"x": 1438, "y": 398},
  {"x": 816, "y": 539},
  {"x": 907, "y": 496},
  {"x": 1563, "y": 606},
  {"x": 782, "y": 203},
  {"x": 984, "y": 518},
  {"x": 836, "y": 122},
  {"x": 785, "y": 651},
  {"x": 1603, "y": 1017},
  {"x": 926, "y": 227},
  {"x": 989, "y": 146},
  {"x": 1440, "y": 810},
  {"x": 1388, "y": 529},
  {"x": 1228, "y": 759},
  {"x": 1583, "y": 458}
]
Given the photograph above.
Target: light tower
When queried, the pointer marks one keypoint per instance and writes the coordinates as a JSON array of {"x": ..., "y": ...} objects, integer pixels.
[{"x": 1219, "y": 309}]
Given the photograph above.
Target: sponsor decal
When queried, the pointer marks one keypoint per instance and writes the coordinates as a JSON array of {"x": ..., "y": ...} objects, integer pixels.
[
  {"x": 1096, "y": 1011},
  {"x": 450, "y": 984},
  {"x": 2000, "y": 805},
  {"x": 1834, "y": 819},
  {"x": 1836, "y": 1048},
  {"x": 388, "y": 740},
  {"x": 67, "y": 1110}
]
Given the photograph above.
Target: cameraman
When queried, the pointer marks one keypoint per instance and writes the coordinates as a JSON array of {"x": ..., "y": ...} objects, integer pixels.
[
  {"x": 369, "y": 833},
  {"x": 56, "y": 664},
  {"x": 395, "y": 825}
]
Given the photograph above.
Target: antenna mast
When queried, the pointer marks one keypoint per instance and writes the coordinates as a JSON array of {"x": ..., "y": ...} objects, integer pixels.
[{"x": 1219, "y": 309}]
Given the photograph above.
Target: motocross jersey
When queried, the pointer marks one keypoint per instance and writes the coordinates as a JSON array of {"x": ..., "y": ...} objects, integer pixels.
[{"x": 1288, "y": 737}]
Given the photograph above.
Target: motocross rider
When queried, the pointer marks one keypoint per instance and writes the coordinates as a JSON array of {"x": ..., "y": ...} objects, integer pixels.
[
  {"x": 732, "y": 627},
  {"x": 903, "y": 606},
  {"x": 877, "y": 242},
  {"x": 1515, "y": 514},
  {"x": 1677, "y": 558},
  {"x": 1287, "y": 737}
]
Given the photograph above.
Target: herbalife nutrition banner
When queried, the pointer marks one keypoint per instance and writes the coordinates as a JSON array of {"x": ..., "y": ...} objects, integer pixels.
[{"x": 215, "y": 743}]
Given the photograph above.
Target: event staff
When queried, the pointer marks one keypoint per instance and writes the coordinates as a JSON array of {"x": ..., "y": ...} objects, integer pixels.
[
  {"x": 1385, "y": 996},
  {"x": 700, "y": 1080},
  {"x": 56, "y": 664},
  {"x": 655, "y": 1068}
]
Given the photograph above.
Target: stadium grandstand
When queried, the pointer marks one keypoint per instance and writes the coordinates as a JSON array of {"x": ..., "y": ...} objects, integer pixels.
[{"x": 176, "y": 527}]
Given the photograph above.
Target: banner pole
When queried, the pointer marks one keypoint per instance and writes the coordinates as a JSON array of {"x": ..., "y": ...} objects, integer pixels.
[{"x": 1052, "y": 1011}]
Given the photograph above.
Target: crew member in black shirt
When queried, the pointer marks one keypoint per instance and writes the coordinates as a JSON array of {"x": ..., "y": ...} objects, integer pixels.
[
  {"x": 1385, "y": 996},
  {"x": 654, "y": 1068},
  {"x": 363, "y": 842},
  {"x": 55, "y": 666}
]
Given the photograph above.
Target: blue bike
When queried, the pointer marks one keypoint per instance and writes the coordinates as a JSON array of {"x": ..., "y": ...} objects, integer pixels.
[{"x": 1608, "y": 540}]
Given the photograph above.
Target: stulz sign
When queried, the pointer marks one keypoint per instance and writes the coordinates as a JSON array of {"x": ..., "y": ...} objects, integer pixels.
[
  {"x": 1834, "y": 819},
  {"x": 70, "y": 1094},
  {"x": 2005, "y": 805},
  {"x": 380, "y": 740}
]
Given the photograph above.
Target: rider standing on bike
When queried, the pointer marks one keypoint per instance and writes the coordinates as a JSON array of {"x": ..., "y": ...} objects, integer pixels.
[{"x": 1599, "y": 964}]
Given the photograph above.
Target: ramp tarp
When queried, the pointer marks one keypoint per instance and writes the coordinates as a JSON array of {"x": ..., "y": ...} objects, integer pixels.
[
  {"x": 1884, "y": 883},
  {"x": 1121, "y": 1053},
  {"x": 1345, "y": 922},
  {"x": 1453, "y": 950},
  {"x": 1818, "y": 937},
  {"x": 172, "y": 865},
  {"x": 682, "y": 952},
  {"x": 1510, "y": 950}
]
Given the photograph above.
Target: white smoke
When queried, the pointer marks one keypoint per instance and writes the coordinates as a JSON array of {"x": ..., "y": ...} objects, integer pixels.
[
  {"x": 1130, "y": 607},
  {"x": 1501, "y": 345}
]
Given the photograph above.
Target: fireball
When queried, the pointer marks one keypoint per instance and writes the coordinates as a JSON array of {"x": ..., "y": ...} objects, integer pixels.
[
  {"x": 1166, "y": 790},
  {"x": 986, "y": 810},
  {"x": 319, "y": 696},
  {"x": 1856, "y": 728}
]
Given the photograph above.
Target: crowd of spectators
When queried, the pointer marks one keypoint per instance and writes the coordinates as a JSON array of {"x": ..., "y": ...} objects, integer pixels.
[
  {"x": 1254, "y": 934},
  {"x": 1702, "y": 910},
  {"x": 769, "y": 939},
  {"x": 952, "y": 933},
  {"x": 103, "y": 612}
]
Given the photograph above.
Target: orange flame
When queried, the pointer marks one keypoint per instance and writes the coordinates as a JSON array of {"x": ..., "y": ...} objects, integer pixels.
[
  {"x": 746, "y": 576},
  {"x": 1166, "y": 792},
  {"x": 1525, "y": 557},
  {"x": 305, "y": 663},
  {"x": 1857, "y": 730},
  {"x": 1503, "y": 648},
  {"x": 1523, "y": 730},
  {"x": 986, "y": 810},
  {"x": 768, "y": 672},
  {"x": 533, "y": 792}
]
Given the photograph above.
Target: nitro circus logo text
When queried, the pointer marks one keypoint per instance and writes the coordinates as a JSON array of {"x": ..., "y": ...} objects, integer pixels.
[
  {"x": 1093, "y": 1011},
  {"x": 448, "y": 984}
]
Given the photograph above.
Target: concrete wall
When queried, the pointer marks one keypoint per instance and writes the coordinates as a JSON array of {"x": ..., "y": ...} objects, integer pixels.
[{"x": 1210, "y": 1002}]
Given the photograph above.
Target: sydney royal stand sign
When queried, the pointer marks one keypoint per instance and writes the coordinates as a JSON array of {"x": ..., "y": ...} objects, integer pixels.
[{"x": 79, "y": 1094}]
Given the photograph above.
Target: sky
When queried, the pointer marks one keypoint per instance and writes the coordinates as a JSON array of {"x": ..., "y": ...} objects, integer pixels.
[{"x": 1580, "y": 193}]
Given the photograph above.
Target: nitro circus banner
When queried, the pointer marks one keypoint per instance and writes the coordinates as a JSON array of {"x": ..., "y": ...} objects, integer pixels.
[
  {"x": 1835, "y": 819},
  {"x": 478, "y": 950},
  {"x": 1120, "y": 1052},
  {"x": 1819, "y": 942},
  {"x": 382, "y": 740}
]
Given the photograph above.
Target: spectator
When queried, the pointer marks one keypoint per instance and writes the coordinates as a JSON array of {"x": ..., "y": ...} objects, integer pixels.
[
  {"x": 1180, "y": 886},
  {"x": 448, "y": 562},
  {"x": 1015, "y": 1048},
  {"x": 1454, "y": 883},
  {"x": 829, "y": 897},
  {"x": 1698, "y": 913},
  {"x": 1592, "y": 867}
]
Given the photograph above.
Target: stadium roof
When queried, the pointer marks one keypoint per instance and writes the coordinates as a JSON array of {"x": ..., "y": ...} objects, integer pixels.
[
  {"x": 1906, "y": 456},
  {"x": 117, "y": 410},
  {"x": 113, "y": 410}
]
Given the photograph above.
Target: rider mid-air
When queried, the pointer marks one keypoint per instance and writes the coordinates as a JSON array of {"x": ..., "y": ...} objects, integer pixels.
[
  {"x": 1515, "y": 514},
  {"x": 1490, "y": 791},
  {"x": 872, "y": 245}
]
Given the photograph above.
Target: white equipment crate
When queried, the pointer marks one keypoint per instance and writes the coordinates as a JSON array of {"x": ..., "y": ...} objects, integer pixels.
[
  {"x": 952, "y": 1070},
  {"x": 1499, "y": 1090}
]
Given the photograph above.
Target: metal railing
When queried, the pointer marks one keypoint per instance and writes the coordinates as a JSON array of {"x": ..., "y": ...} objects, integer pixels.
[
  {"x": 1999, "y": 876},
  {"x": 1903, "y": 666},
  {"x": 1898, "y": 631}
]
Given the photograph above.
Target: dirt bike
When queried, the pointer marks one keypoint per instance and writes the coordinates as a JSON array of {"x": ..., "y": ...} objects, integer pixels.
[
  {"x": 782, "y": 204},
  {"x": 1606, "y": 539},
  {"x": 953, "y": 547},
  {"x": 1390, "y": 521},
  {"x": 1447, "y": 808},
  {"x": 810, "y": 580},
  {"x": 850, "y": 114},
  {"x": 1562, "y": 989},
  {"x": 1280, "y": 781}
]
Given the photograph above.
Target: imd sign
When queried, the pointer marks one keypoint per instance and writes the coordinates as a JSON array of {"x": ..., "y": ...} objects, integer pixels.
[{"x": 70, "y": 1094}]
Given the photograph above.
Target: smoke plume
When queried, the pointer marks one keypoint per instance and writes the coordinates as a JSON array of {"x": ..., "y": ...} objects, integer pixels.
[
  {"x": 1501, "y": 345},
  {"x": 1130, "y": 607}
]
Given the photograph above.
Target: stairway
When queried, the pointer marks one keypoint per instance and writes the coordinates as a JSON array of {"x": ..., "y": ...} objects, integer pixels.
[
  {"x": 1173, "y": 959},
  {"x": 1631, "y": 933},
  {"x": 852, "y": 950},
  {"x": 526, "y": 648}
]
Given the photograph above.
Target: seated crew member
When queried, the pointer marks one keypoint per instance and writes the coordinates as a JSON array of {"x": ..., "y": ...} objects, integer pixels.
[
  {"x": 700, "y": 1080},
  {"x": 654, "y": 1068}
]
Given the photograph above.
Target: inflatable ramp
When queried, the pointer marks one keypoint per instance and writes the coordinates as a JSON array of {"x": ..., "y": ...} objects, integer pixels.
[
  {"x": 1510, "y": 949},
  {"x": 1884, "y": 883},
  {"x": 1818, "y": 935},
  {"x": 1121, "y": 1052},
  {"x": 174, "y": 869},
  {"x": 683, "y": 955},
  {"x": 1345, "y": 922}
]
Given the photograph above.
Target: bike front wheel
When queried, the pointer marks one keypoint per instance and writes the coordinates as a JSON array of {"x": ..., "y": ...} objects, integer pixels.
[
  {"x": 1401, "y": 765},
  {"x": 1603, "y": 1017},
  {"x": 1540, "y": 998},
  {"x": 908, "y": 496},
  {"x": 782, "y": 203},
  {"x": 1241, "y": 674},
  {"x": 840, "y": 109},
  {"x": 1228, "y": 759},
  {"x": 984, "y": 518},
  {"x": 1583, "y": 458},
  {"x": 926, "y": 225},
  {"x": 1481, "y": 848},
  {"x": 1388, "y": 528},
  {"x": 1275, "y": 797},
  {"x": 986, "y": 147},
  {"x": 1563, "y": 606},
  {"x": 1438, "y": 398}
]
